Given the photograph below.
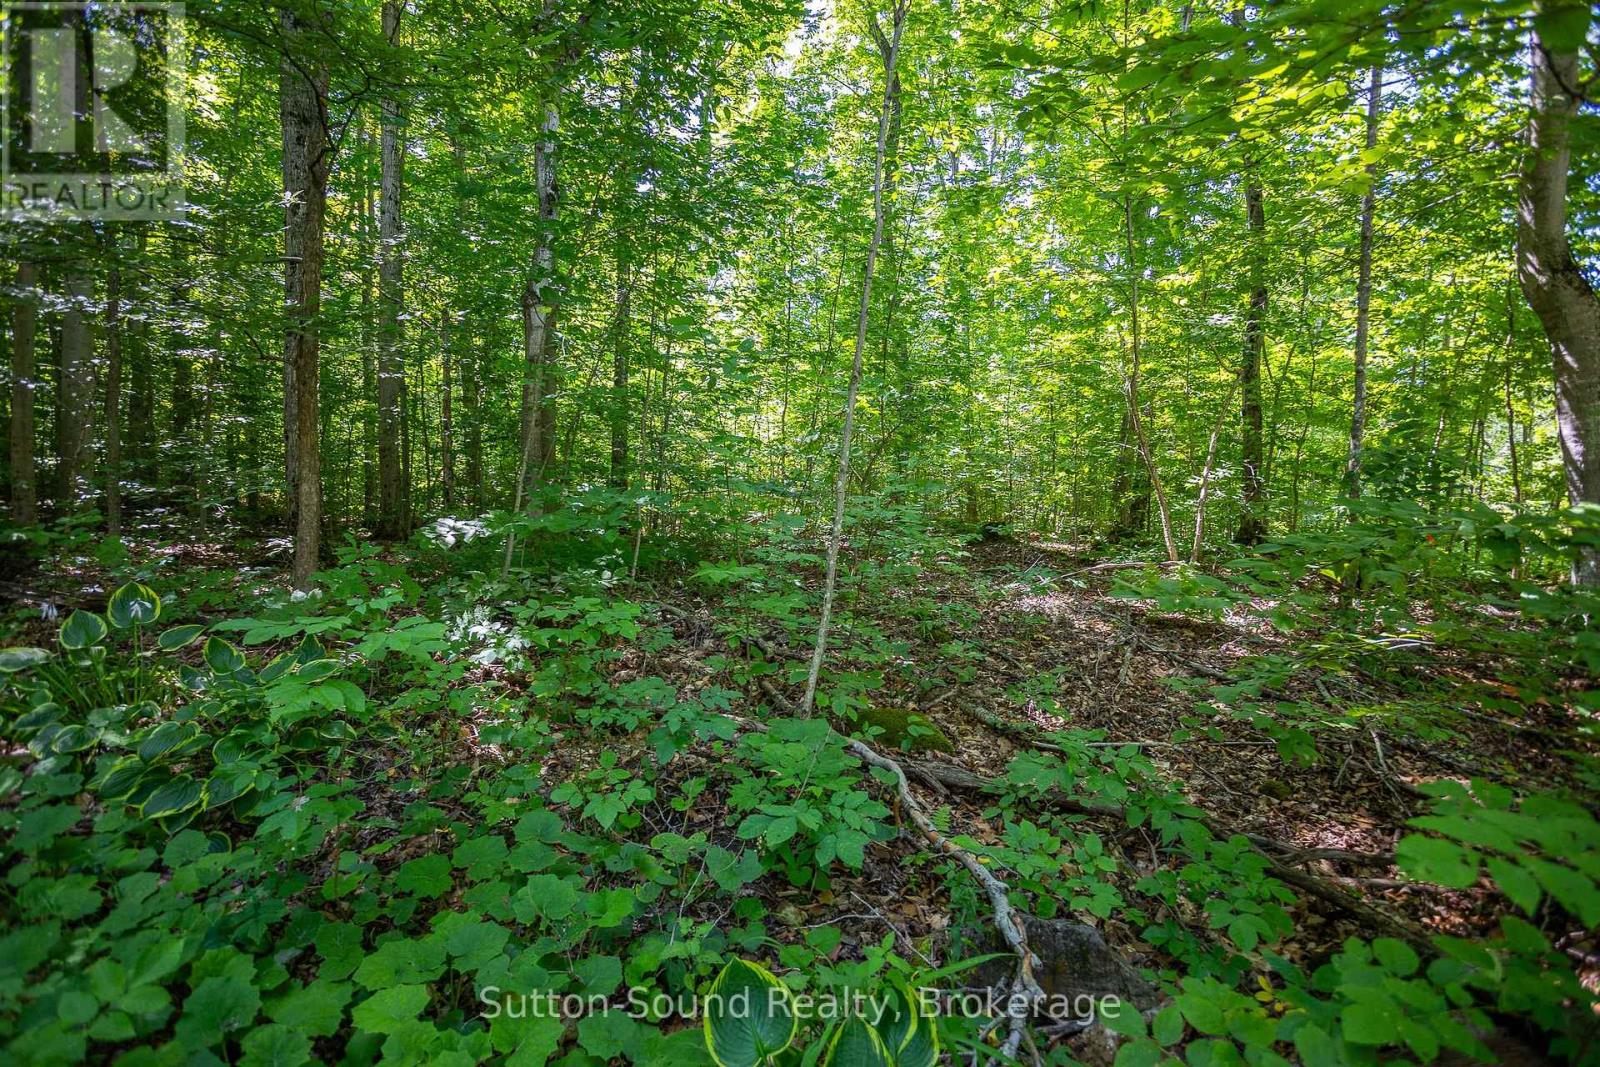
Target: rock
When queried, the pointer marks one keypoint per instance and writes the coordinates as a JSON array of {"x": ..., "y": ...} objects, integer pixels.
[
  {"x": 904, "y": 729},
  {"x": 1076, "y": 967}
]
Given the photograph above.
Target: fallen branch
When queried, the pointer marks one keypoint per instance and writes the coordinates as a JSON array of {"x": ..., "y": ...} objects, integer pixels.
[{"x": 1281, "y": 867}]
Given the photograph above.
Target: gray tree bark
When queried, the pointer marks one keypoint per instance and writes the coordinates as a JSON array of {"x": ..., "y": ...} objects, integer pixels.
[
  {"x": 72, "y": 392},
  {"x": 392, "y": 487},
  {"x": 24, "y": 472},
  {"x": 113, "y": 400},
  {"x": 1554, "y": 282}
]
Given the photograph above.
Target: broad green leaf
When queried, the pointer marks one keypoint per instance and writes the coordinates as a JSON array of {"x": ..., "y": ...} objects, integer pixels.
[
  {"x": 178, "y": 637},
  {"x": 856, "y": 1044},
  {"x": 133, "y": 604},
  {"x": 21, "y": 658},
  {"x": 222, "y": 657},
  {"x": 749, "y": 1015},
  {"x": 176, "y": 796},
  {"x": 390, "y": 1009},
  {"x": 82, "y": 629},
  {"x": 1433, "y": 859}
]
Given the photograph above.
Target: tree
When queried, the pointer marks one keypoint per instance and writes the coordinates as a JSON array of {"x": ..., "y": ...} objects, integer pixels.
[
  {"x": 113, "y": 398},
  {"x": 393, "y": 487},
  {"x": 1553, "y": 280},
  {"x": 889, "y": 55},
  {"x": 1369, "y": 201},
  {"x": 73, "y": 388},
  {"x": 24, "y": 474},
  {"x": 303, "y": 111}
]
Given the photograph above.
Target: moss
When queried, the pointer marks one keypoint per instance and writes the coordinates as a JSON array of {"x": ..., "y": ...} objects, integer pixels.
[{"x": 903, "y": 728}]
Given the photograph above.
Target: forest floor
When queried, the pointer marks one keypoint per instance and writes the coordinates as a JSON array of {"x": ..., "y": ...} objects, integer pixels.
[
  {"x": 1030, "y": 643},
  {"x": 1046, "y": 611}
]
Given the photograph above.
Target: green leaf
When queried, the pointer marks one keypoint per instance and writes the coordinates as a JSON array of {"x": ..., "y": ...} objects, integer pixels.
[
  {"x": 402, "y": 961},
  {"x": 1370, "y": 1023},
  {"x": 545, "y": 896},
  {"x": 275, "y": 1045},
  {"x": 164, "y": 738},
  {"x": 749, "y": 1015},
  {"x": 222, "y": 657},
  {"x": 21, "y": 658},
  {"x": 133, "y": 604},
  {"x": 426, "y": 876},
  {"x": 1202, "y": 1013},
  {"x": 178, "y": 637},
  {"x": 217, "y": 1006},
  {"x": 316, "y": 1009},
  {"x": 390, "y": 1009},
  {"x": 1562, "y": 27},
  {"x": 1397, "y": 957},
  {"x": 178, "y": 795},
  {"x": 599, "y": 974},
  {"x": 856, "y": 1044},
  {"x": 1167, "y": 1028},
  {"x": 1432, "y": 859},
  {"x": 1515, "y": 882},
  {"x": 82, "y": 629}
]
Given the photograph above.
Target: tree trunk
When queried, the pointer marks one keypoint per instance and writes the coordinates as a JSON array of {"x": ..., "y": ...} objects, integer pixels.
[
  {"x": 113, "y": 401},
  {"x": 1131, "y": 386},
  {"x": 1552, "y": 279},
  {"x": 24, "y": 473},
  {"x": 392, "y": 486},
  {"x": 1253, "y": 521},
  {"x": 841, "y": 481},
  {"x": 538, "y": 314},
  {"x": 472, "y": 401},
  {"x": 72, "y": 392},
  {"x": 303, "y": 109},
  {"x": 369, "y": 345},
  {"x": 1358, "y": 411},
  {"x": 447, "y": 431}
]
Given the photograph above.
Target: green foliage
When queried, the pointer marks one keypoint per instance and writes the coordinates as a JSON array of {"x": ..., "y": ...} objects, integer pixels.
[
  {"x": 803, "y": 800},
  {"x": 750, "y": 1016}
]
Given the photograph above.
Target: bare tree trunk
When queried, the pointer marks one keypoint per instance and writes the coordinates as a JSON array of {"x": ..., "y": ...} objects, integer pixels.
[
  {"x": 1358, "y": 412},
  {"x": 24, "y": 472},
  {"x": 1552, "y": 279},
  {"x": 889, "y": 55},
  {"x": 303, "y": 109},
  {"x": 369, "y": 359},
  {"x": 1205, "y": 486},
  {"x": 538, "y": 313},
  {"x": 1253, "y": 521},
  {"x": 447, "y": 440},
  {"x": 392, "y": 486},
  {"x": 472, "y": 401},
  {"x": 72, "y": 391},
  {"x": 1131, "y": 386},
  {"x": 113, "y": 401}
]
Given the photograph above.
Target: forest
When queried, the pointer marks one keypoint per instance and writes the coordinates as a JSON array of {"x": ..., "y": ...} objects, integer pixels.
[{"x": 800, "y": 533}]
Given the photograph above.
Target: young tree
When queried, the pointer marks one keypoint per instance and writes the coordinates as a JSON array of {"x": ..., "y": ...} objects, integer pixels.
[
  {"x": 889, "y": 54},
  {"x": 1369, "y": 201}
]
